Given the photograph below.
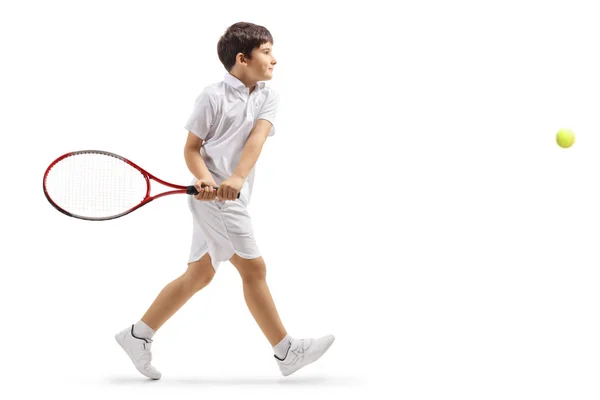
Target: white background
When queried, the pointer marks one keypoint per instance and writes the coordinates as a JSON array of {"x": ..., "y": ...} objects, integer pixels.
[{"x": 414, "y": 202}]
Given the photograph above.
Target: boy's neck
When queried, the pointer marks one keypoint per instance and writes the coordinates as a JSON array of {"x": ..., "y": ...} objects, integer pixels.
[{"x": 249, "y": 84}]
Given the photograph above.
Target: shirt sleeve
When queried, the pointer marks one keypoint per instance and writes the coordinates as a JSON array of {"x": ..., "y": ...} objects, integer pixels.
[
  {"x": 203, "y": 115},
  {"x": 269, "y": 109}
]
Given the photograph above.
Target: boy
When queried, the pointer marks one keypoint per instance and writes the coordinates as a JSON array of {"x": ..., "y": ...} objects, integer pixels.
[{"x": 229, "y": 125}]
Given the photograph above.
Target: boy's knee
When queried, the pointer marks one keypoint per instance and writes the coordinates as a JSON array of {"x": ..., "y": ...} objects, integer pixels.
[
  {"x": 199, "y": 273},
  {"x": 250, "y": 270},
  {"x": 258, "y": 273}
]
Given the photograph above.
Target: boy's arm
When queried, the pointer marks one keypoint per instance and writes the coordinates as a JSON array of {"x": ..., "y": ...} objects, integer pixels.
[
  {"x": 252, "y": 148},
  {"x": 231, "y": 186},
  {"x": 194, "y": 160}
]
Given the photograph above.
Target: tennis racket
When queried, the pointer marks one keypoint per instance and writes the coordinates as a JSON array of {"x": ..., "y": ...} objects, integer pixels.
[{"x": 97, "y": 185}]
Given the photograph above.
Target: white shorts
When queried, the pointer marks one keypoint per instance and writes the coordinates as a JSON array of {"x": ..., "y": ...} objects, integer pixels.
[{"x": 221, "y": 229}]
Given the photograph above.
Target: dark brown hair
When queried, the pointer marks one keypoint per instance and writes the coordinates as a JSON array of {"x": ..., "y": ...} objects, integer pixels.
[{"x": 242, "y": 37}]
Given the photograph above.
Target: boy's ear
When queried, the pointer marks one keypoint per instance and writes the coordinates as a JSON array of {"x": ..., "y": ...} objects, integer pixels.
[{"x": 241, "y": 58}]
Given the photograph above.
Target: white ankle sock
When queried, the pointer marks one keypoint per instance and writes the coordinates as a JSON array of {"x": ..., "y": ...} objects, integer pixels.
[
  {"x": 140, "y": 329},
  {"x": 282, "y": 347}
]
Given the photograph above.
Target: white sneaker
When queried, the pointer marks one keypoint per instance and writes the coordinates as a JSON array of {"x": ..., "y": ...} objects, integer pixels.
[
  {"x": 138, "y": 350},
  {"x": 303, "y": 352}
]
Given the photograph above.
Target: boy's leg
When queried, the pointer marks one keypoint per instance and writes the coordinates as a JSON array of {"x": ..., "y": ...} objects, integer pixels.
[
  {"x": 178, "y": 292},
  {"x": 137, "y": 343},
  {"x": 258, "y": 297},
  {"x": 291, "y": 354}
]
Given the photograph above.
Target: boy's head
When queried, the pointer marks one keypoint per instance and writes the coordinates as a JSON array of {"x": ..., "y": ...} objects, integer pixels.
[{"x": 245, "y": 49}]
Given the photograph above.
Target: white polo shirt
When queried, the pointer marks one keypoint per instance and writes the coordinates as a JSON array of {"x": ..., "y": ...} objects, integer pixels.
[{"x": 223, "y": 116}]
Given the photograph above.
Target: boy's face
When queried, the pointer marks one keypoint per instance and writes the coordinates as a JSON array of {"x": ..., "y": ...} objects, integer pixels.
[{"x": 260, "y": 67}]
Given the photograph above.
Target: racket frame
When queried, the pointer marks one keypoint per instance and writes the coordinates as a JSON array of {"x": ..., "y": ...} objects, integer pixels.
[{"x": 179, "y": 189}]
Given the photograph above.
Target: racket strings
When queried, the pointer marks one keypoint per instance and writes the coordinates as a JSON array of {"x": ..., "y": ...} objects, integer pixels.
[{"x": 95, "y": 185}]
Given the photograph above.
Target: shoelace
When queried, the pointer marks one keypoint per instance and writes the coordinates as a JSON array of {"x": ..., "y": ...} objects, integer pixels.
[{"x": 299, "y": 350}]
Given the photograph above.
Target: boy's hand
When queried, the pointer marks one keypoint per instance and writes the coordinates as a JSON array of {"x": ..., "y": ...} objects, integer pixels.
[
  {"x": 230, "y": 187},
  {"x": 206, "y": 189}
]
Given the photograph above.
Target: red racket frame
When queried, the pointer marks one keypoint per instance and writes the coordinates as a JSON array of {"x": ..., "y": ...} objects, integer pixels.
[{"x": 191, "y": 190}]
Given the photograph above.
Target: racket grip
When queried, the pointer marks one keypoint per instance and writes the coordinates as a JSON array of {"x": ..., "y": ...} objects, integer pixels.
[{"x": 191, "y": 190}]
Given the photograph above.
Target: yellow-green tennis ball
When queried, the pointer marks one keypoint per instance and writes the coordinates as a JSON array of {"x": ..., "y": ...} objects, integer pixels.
[{"x": 565, "y": 138}]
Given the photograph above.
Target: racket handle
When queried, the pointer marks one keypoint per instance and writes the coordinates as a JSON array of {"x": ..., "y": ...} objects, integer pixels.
[{"x": 193, "y": 191}]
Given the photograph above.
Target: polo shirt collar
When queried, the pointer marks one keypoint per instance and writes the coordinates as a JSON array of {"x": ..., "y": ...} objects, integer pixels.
[{"x": 239, "y": 85}]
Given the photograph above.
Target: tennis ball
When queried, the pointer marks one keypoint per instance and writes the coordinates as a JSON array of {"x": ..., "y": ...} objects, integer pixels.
[{"x": 565, "y": 138}]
